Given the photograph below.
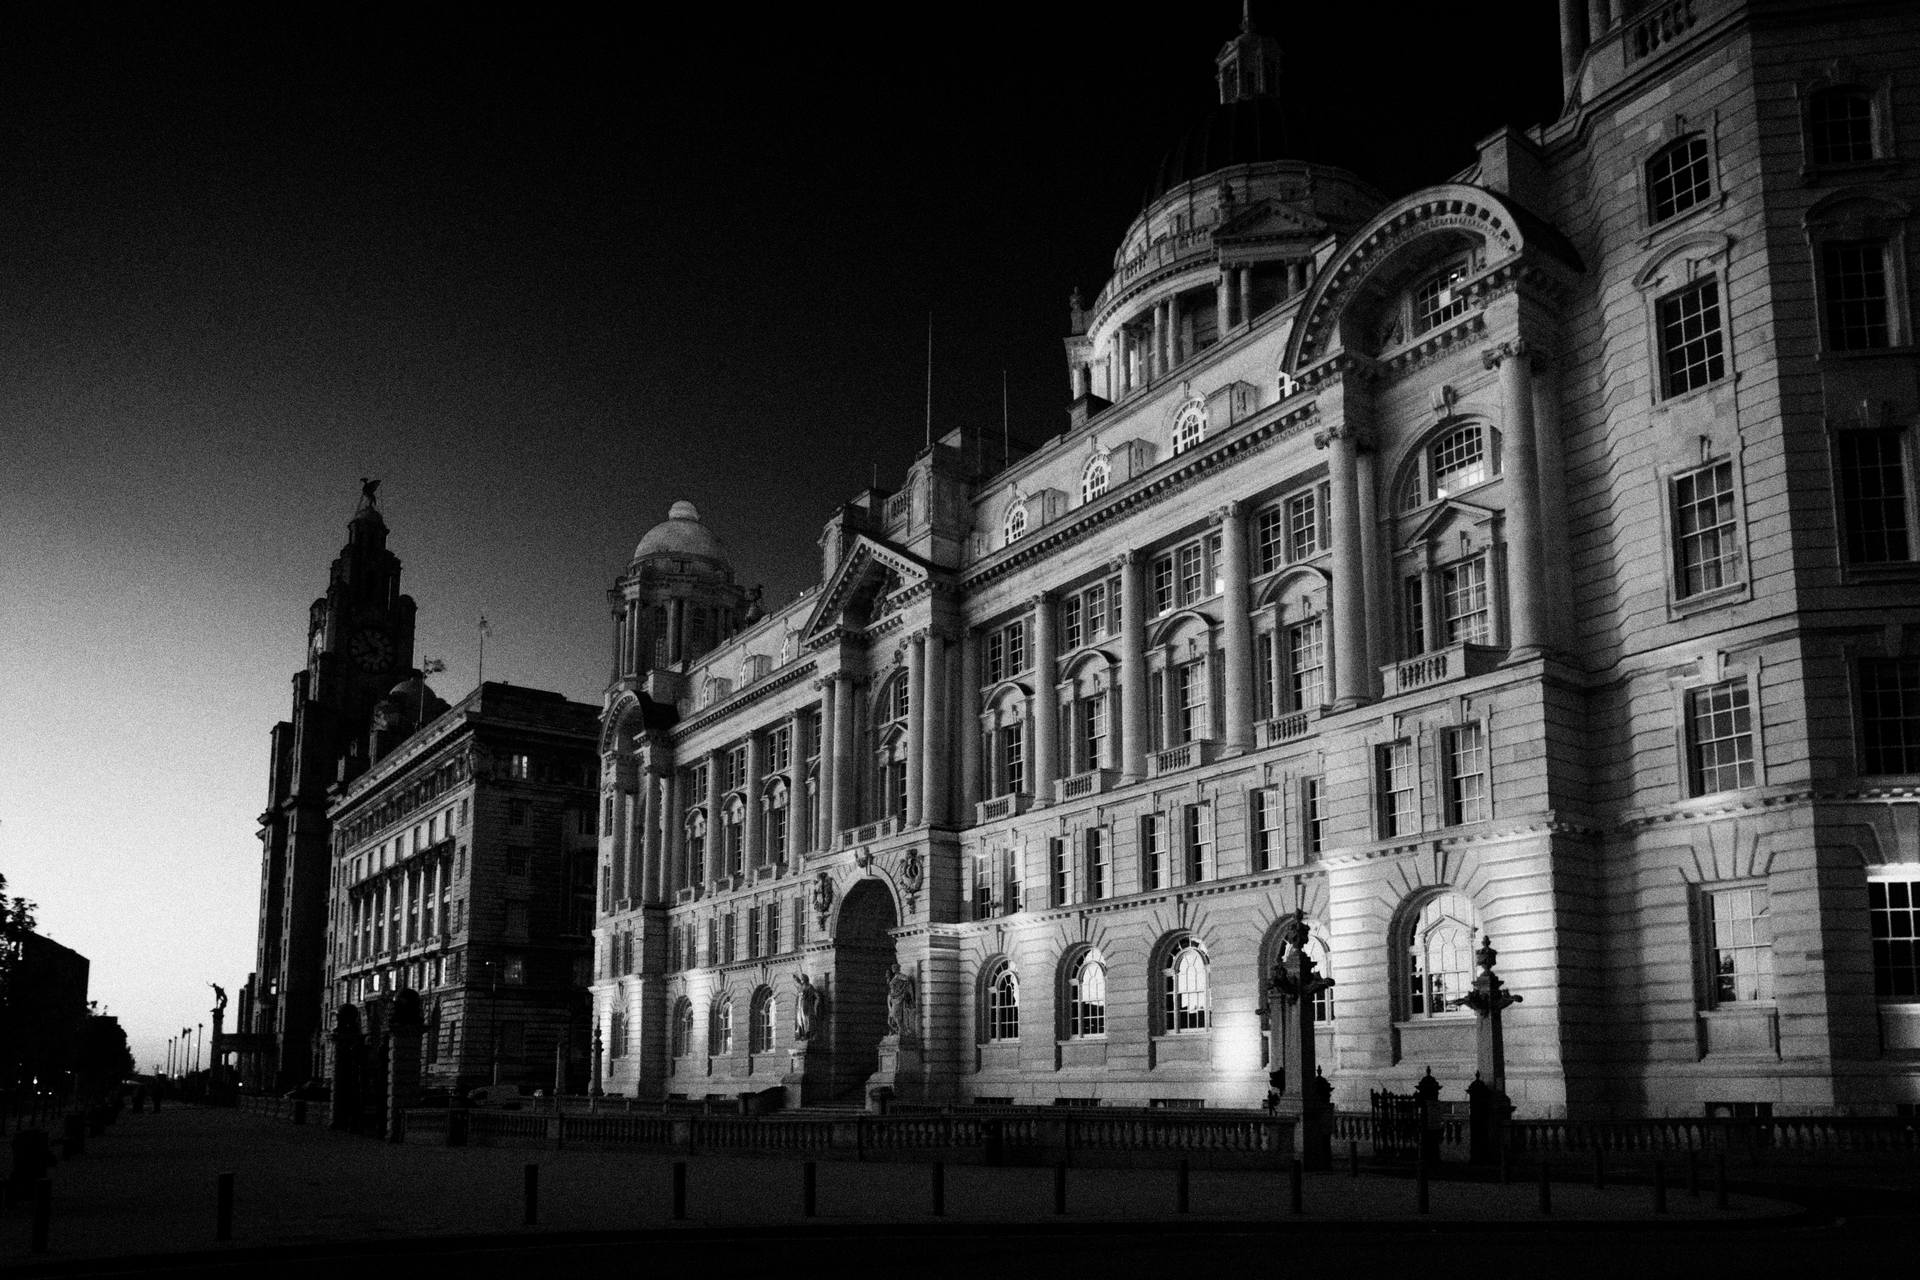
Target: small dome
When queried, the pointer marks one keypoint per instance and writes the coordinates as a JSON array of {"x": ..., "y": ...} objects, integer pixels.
[
  {"x": 1248, "y": 131},
  {"x": 681, "y": 536}
]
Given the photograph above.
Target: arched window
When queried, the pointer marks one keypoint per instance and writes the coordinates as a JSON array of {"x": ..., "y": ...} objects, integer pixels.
[
  {"x": 616, "y": 1044},
  {"x": 733, "y": 835},
  {"x": 1015, "y": 526},
  {"x": 720, "y": 1027},
  {"x": 682, "y": 1027},
  {"x": 1439, "y": 298},
  {"x": 1190, "y": 428},
  {"x": 761, "y": 1017},
  {"x": 1003, "y": 1002},
  {"x": 890, "y": 748},
  {"x": 1187, "y": 1002},
  {"x": 1094, "y": 480},
  {"x": 1439, "y": 954},
  {"x": 1086, "y": 996},
  {"x": 1456, "y": 460},
  {"x": 774, "y": 802},
  {"x": 697, "y": 846}
]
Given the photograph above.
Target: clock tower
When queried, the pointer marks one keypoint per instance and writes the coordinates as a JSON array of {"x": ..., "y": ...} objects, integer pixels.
[{"x": 359, "y": 643}]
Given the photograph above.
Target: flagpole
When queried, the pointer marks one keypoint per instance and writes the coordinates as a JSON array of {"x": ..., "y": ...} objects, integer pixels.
[{"x": 482, "y": 678}]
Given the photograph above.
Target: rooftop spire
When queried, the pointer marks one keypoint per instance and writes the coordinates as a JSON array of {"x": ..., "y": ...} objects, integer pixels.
[{"x": 1249, "y": 64}]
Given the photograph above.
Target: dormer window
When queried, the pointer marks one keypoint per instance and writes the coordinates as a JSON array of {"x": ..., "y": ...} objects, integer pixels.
[
  {"x": 1190, "y": 428},
  {"x": 1094, "y": 480},
  {"x": 1439, "y": 298},
  {"x": 1015, "y": 526}
]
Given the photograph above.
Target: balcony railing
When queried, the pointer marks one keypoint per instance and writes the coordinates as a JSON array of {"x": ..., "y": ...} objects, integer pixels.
[
  {"x": 1090, "y": 783},
  {"x": 1006, "y": 806},
  {"x": 870, "y": 832},
  {"x": 1452, "y": 663},
  {"x": 1655, "y": 30},
  {"x": 899, "y": 510},
  {"x": 1185, "y": 756},
  {"x": 1286, "y": 728}
]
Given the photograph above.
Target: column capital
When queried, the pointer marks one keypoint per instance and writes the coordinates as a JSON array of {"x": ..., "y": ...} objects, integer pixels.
[
  {"x": 1040, "y": 599},
  {"x": 1517, "y": 349},
  {"x": 1359, "y": 436},
  {"x": 1226, "y": 511}
]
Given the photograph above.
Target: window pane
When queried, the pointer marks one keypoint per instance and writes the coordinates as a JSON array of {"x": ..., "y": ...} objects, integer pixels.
[
  {"x": 1890, "y": 715},
  {"x": 1690, "y": 345},
  {"x": 1854, "y": 279},
  {"x": 1720, "y": 738},
  {"x": 1466, "y": 774},
  {"x": 1469, "y": 614},
  {"x": 1677, "y": 178},
  {"x": 1457, "y": 460},
  {"x": 1704, "y": 523},
  {"x": 1439, "y": 300},
  {"x": 1740, "y": 945},
  {"x": 1840, "y": 126},
  {"x": 1873, "y": 496}
]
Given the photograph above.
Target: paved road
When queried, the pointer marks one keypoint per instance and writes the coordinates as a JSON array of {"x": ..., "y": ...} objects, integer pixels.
[{"x": 307, "y": 1200}]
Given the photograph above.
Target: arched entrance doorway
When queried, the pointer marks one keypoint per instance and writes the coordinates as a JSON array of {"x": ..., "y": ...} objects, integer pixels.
[{"x": 862, "y": 954}]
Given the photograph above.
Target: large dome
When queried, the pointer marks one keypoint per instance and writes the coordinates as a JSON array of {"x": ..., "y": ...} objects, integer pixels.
[
  {"x": 1247, "y": 131},
  {"x": 681, "y": 535}
]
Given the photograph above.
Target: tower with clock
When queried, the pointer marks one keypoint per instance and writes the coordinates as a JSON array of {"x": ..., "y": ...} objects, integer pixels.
[{"x": 359, "y": 643}]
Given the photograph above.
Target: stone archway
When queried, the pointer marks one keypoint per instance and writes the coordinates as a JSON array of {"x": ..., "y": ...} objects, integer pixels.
[{"x": 862, "y": 953}]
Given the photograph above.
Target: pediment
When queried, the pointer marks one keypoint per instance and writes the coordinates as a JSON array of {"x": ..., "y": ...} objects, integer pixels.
[
  {"x": 869, "y": 571},
  {"x": 1268, "y": 220},
  {"x": 1447, "y": 513}
]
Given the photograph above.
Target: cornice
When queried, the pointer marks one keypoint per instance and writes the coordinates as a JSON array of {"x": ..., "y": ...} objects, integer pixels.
[{"x": 753, "y": 693}]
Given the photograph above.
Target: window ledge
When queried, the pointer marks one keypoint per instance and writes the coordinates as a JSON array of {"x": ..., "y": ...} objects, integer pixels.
[
  {"x": 1705, "y": 601},
  {"x": 1814, "y": 175},
  {"x": 1847, "y": 355},
  {"x": 1880, "y": 571},
  {"x": 1740, "y": 1031}
]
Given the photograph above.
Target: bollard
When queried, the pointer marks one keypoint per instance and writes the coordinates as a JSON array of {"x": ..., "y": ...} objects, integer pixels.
[
  {"x": 1693, "y": 1174},
  {"x": 42, "y": 1213},
  {"x": 809, "y": 1184},
  {"x": 1297, "y": 1186},
  {"x": 1353, "y": 1159},
  {"x": 1659, "y": 1186},
  {"x": 939, "y": 1189},
  {"x": 679, "y": 1189},
  {"x": 1181, "y": 1188},
  {"x": 1060, "y": 1187},
  {"x": 1420, "y": 1198},
  {"x": 531, "y": 1195},
  {"x": 1599, "y": 1170},
  {"x": 223, "y": 1206},
  {"x": 1546, "y": 1187},
  {"x": 1719, "y": 1179}
]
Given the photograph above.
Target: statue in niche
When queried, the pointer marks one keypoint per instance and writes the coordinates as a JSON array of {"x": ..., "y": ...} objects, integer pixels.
[
  {"x": 806, "y": 1006},
  {"x": 900, "y": 1001}
]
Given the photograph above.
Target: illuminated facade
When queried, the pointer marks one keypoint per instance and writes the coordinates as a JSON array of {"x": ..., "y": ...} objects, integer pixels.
[{"x": 1530, "y": 555}]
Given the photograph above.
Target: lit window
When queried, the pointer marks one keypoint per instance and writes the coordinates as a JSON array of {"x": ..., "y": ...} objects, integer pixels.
[
  {"x": 1893, "y": 908},
  {"x": 1739, "y": 946},
  {"x": 1719, "y": 738},
  {"x": 1087, "y": 997},
  {"x": 1703, "y": 516},
  {"x": 1003, "y": 1003},
  {"x": 1872, "y": 475},
  {"x": 1890, "y": 715},
  {"x": 1840, "y": 125},
  {"x": 1190, "y": 428},
  {"x": 1440, "y": 955},
  {"x": 1016, "y": 522},
  {"x": 1853, "y": 282},
  {"x": 1399, "y": 808},
  {"x": 1678, "y": 178},
  {"x": 1458, "y": 461},
  {"x": 1186, "y": 1002},
  {"x": 1440, "y": 298},
  {"x": 1466, "y": 763},
  {"x": 1688, "y": 322},
  {"x": 1010, "y": 879}
]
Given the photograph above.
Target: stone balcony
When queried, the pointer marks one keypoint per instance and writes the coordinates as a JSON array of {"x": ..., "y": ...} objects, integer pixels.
[
  {"x": 1007, "y": 806},
  {"x": 1187, "y": 755},
  {"x": 1455, "y": 662},
  {"x": 1288, "y": 728},
  {"x": 1081, "y": 785}
]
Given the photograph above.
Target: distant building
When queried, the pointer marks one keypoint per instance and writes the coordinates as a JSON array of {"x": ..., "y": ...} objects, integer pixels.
[
  {"x": 463, "y": 866},
  {"x": 45, "y": 1008},
  {"x": 1531, "y": 555}
]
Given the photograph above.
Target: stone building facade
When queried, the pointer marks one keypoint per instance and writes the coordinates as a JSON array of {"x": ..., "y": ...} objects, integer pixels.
[
  {"x": 1530, "y": 555},
  {"x": 463, "y": 865}
]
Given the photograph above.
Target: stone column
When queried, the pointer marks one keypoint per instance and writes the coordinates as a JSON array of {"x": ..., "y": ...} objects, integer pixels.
[
  {"x": 1573, "y": 43},
  {"x": 916, "y": 728},
  {"x": 716, "y": 763},
  {"x": 675, "y": 834},
  {"x": 967, "y": 717},
  {"x": 1557, "y": 599},
  {"x": 1157, "y": 344},
  {"x": 829, "y": 735},
  {"x": 798, "y": 837},
  {"x": 939, "y": 731},
  {"x": 1349, "y": 589},
  {"x": 843, "y": 765},
  {"x": 1133, "y": 665},
  {"x": 1373, "y": 569},
  {"x": 1246, "y": 295},
  {"x": 1599, "y": 18},
  {"x": 750, "y": 838},
  {"x": 1046, "y": 700},
  {"x": 1524, "y": 570},
  {"x": 1236, "y": 629},
  {"x": 1223, "y": 298},
  {"x": 653, "y": 887}
]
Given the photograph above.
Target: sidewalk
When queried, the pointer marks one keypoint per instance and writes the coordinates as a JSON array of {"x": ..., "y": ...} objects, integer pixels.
[{"x": 147, "y": 1186}]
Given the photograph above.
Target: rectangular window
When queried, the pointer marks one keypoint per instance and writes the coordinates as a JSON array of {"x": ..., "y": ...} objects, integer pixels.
[
  {"x": 799, "y": 921},
  {"x": 1266, "y": 685},
  {"x": 516, "y": 814},
  {"x": 1719, "y": 738},
  {"x": 1162, "y": 573},
  {"x": 1263, "y": 813},
  {"x": 1739, "y": 945},
  {"x": 1872, "y": 476},
  {"x": 1688, "y": 322},
  {"x": 1191, "y": 574},
  {"x": 1199, "y": 833},
  {"x": 1853, "y": 277},
  {"x": 1893, "y": 909},
  {"x": 773, "y": 929},
  {"x": 1678, "y": 178},
  {"x": 1093, "y": 731},
  {"x": 1440, "y": 299},
  {"x": 1840, "y": 126},
  {"x": 1466, "y": 610},
  {"x": 1306, "y": 664},
  {"x": 1006, "y": 652},
  {"x": 1059, "y": 872},
  {"x": 736, "y": 770},
  {"x": 1413, "y": 604},
  {"x": 753, "y": 933},
  {"x": 982, "y": 885},
  {"x": 727, "y": 951},
  {"x": 780, "y": 750},
  {"x": 1193, "y": 690},
  {"x": 1153, "y": 852},
  {"x": 1098, "y": 867},
  {"x": 1313, "y": 816},
  {"x": 1399, "y": 797},
  {"x": 1010, "y": 878},
  {"x": 1072, "y": 622},
  {"x": 1890, "y": 715},
  {"x": 1013, "y": 773},
  {"x": 1270, "y": 539},
  {"x": 713, "y": 941},
  {"x": 1216, "y": 565},
  {"x": 1703, "y": 521},
  {"x": 1466, "y": 763},
  {"x": 1303, "y": 525}
]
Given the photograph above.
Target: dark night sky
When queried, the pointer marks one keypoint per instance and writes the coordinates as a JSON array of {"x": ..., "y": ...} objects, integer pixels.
[{"x": 543, "y": 274}]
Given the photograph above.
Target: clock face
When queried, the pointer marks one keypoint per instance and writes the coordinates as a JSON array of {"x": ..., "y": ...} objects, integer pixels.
[{"x": 371, "y": 649}]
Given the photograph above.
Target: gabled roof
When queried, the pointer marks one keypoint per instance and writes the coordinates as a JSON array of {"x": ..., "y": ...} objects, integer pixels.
[{"x": 862, "y": 573}]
